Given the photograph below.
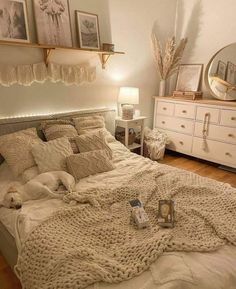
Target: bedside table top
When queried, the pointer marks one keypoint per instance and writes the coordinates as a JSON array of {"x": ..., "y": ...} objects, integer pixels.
[{"x": 129, "y": 120}]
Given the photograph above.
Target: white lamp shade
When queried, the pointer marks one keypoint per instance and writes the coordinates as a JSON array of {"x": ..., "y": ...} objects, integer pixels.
[{"x": 129, "y": 95}]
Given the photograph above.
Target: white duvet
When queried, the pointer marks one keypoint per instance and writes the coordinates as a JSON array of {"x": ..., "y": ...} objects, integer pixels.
[{"x": 171, "y": 271}]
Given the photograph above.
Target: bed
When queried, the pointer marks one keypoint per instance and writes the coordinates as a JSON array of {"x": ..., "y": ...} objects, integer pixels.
[{"x": 172, "y": 270}]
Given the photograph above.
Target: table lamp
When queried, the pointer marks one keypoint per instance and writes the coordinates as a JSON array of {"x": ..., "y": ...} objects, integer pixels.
[{"x": 128, "y": 96}]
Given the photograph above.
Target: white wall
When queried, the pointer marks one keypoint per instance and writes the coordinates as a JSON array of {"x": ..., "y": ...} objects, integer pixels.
[
  {"x": 129, "y": 24},
  {"x": 209, "y": 25}
]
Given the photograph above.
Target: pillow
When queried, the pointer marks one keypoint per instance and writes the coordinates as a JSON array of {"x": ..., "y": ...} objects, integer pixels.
[
  {"x": 16, "y": 149},
  {"x": 30, "y": 174},
  {"x": 51, "y": 156},
  {"x": 94, "y": 123},
  {"x": 54, "y": 129},
  {"x": 85, "y": 124},
  {"x": 93, "y": 141},
  {"x": 85, "y": 164}
]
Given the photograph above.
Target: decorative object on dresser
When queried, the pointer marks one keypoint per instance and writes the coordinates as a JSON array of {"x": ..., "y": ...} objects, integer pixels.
[
  {"x": 188, "y": 81},
  {"x": 53, "y": 22},
  {"x": 128, "y": 96},
  {"x": 88, "y": 30},
  {"x": 167, "y": 62},
  {"x": 204, "y": 128},
  {"x": 220, "y": 78},
  {"x": 13, "y": 21},
  {"x": 131, "y": 124}
]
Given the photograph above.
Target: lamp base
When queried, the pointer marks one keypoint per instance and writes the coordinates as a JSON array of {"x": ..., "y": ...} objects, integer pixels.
[{"x": 127, "y": 111}]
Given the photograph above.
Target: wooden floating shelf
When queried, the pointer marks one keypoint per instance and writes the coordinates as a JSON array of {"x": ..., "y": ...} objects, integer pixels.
[{"x": 47, "y": 49}]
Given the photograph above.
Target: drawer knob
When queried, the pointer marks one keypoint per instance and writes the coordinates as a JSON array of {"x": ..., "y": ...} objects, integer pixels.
[
  {"x": 228, "y": 154},
  {"x": 183, "y": 126},
  {"x": 230, "y": 135},
  {"x": 233, "y": 118},
  {"x": 184, "y": 111},
  {"x": 181, "y": 142},
  {"x": 164, "y": 108},
  {"x": 163, "y": 122}
]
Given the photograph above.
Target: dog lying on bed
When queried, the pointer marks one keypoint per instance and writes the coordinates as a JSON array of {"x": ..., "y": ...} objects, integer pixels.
[{"x": 40, "y": 187}]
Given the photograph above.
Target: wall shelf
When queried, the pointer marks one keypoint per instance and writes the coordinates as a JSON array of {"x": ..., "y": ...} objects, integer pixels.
[{"x": 48, "y": 49}]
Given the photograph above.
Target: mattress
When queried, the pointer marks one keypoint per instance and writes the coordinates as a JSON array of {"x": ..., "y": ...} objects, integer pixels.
[{"x": 170, "y": 271}]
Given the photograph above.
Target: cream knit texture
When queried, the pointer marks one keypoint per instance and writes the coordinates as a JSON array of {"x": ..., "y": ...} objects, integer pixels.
[{"x": 98, "y": 241}]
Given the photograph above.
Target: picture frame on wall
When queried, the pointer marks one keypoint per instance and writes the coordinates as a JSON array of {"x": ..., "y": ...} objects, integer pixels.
[
  {"x": 221, "y": 70},
  {"x": 53, "y": 22},
  {"x": 88, "y": 30},
  {"x": 230, "y": 73},
  {"x": 14, "y": 21},
  {"x": 189, "y": 77}
]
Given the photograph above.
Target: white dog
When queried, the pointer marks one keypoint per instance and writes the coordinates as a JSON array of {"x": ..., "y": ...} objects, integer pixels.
[{"x": 40, "y": 187}]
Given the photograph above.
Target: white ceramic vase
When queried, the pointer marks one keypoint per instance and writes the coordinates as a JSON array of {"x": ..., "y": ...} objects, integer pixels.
[{"x": 162, "y": 87}]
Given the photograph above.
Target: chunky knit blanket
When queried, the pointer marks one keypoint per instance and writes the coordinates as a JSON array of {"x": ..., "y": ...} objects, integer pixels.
[{"x": 98, "y": 241}]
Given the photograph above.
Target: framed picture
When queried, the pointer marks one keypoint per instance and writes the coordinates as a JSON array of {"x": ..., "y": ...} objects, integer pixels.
[
  {"x": 88, "y": 30},
  {"x": 189, "y": 77},
  {"x": 53, "y": 22},
  {"x": 230, "y": 73},
  {"x": 13, "y": 21},
  {"x": 221, "y": 70}
]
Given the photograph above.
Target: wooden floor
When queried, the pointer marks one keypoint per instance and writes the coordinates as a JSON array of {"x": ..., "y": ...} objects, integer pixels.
[{"x": 8, "y": 279}]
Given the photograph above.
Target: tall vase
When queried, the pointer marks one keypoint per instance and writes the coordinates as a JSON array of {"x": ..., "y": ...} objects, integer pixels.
[{"x": 162, "y": 87}]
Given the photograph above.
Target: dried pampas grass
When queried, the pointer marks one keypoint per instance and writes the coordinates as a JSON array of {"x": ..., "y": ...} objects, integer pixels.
[{"x": 168, "y": 62}]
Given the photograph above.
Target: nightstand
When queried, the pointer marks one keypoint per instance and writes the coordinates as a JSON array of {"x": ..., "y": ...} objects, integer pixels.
[{"x": 132, "y": 123}]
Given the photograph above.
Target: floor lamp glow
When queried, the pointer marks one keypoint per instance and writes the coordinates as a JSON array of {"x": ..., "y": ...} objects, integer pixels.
[{"x": 128, "y": 96}]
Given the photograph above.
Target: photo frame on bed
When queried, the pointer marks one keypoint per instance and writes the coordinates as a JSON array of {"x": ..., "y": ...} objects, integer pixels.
[{"x": 14, "y": 21}]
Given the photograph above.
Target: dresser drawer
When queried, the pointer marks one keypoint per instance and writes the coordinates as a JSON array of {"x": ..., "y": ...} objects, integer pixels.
[
  {"x": 179, "y": 142},
  {"x": 185, "y": 110},
  {"x": 176, "y": 124},
  {"x": 166, "y": 108},
  {"x": 216, "y": 132},
  {"x": 214, "y": 114},
  {"x": 228, "y": 117},
  {"x": 216, "y": 151}
]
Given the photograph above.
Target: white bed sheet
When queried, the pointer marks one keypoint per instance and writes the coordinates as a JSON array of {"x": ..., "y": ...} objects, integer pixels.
[{"x": 177, "y": 270}]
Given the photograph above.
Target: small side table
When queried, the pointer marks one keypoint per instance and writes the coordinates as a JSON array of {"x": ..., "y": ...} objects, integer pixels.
[{"x": 132, "y": 123}]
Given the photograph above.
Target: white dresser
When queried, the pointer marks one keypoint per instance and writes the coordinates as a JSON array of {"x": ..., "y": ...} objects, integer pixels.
[{"x": 205, "y": 128}]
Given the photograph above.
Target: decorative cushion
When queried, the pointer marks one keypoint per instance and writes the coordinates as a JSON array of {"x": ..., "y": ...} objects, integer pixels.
[
  {"x": 93, "y": 123},
  {"x": 90, "y": 163},
  {"x": 85, "y": 124},
  {"x": 51, "y": 156},
  {"x": 16, "y": 149},
  {"x": 93, "y": 141},
  {"x": 30, "y": 174},
  {"x": 54, "y": 129}
]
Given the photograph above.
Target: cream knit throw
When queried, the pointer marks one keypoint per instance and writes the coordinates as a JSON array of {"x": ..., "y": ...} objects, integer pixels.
[{"x": 99, "y": 242}]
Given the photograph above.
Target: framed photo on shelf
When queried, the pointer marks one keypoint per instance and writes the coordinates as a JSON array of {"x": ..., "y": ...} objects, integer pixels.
[
  {"x": 88, "y": 30},
  {"x": 53, "y": 22},
  {"x": 13, "y": 21},
  {"x": 230, "y": 73},
  {"x": 189, "y": 77},
  {"x": 221, "y": 70}
]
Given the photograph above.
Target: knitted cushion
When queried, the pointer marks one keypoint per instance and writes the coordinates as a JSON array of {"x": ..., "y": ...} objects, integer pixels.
[
  {"x": 54, "y": 129},
  {"x": 51, "y": 156},
  {"x": 93, "y": 141},
  {"x": 16, "y": 149},
  {"x": 90, "y": 163}
]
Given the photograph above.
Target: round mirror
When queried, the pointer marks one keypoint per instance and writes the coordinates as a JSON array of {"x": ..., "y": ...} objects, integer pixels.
[{"x": 220, "y": 74}]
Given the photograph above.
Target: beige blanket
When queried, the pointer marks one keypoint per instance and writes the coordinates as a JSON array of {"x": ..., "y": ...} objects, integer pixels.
[{"x": 99, "y": 242}]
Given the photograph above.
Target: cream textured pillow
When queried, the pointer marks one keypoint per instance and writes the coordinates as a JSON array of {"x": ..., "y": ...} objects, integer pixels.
[
  {"x": 85, "y": 164},
  {"x": 16, "y": 149},
  {"x": 54, "y": 129},
  {"x": 51, "y": 156},
  {"x": 93, "y": 141},
  {"x": 94, "y": 123}
]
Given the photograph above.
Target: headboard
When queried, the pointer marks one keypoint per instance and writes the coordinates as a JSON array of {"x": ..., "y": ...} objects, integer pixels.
[{"x": 10, "y": 125}]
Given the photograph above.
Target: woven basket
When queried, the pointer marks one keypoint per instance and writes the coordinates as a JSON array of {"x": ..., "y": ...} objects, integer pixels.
[{"x": 121, "y": 137}]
